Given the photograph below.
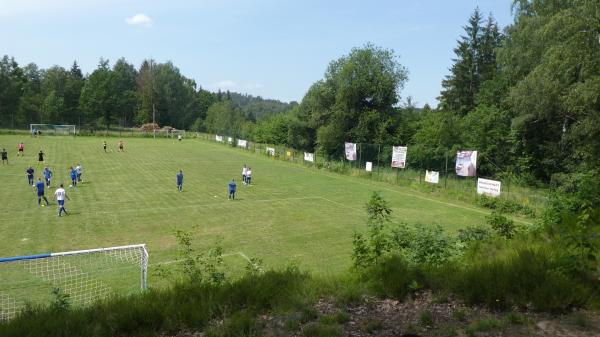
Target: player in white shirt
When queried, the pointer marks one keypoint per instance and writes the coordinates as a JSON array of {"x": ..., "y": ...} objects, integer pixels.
[
  {"x": 248, "y": 176},
  {"x": 79, "y": 170},
  {"x": 60, "y": 194},
  {"x": 244, "y": 170}
]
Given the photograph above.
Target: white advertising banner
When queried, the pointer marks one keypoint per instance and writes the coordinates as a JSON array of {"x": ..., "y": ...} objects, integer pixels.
[
  {"x": 399, "y": 156},
  {"x": 369, "y": 167},
  {"x": 432, "y": 177},
  {"x": 271, "y": 151},
  {"x": 309, "y": 157},
  {"x": 350, "y": 151},
  {"x": 218, "y": 138},
  {"x": 466, "y": 163},
  {"x": 229, "y": 140},
  {"x": 488, "y": 187},
  {"x": 242, "y": 143}
]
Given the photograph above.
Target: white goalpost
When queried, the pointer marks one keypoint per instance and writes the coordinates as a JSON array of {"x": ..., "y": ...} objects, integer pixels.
[
  {"x": 52, "y": 129},
  {"x": 82, "y": 276}
]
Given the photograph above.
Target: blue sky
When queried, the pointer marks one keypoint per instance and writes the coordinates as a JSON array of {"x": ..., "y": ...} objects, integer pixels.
[{"x": 275, "y": 49}]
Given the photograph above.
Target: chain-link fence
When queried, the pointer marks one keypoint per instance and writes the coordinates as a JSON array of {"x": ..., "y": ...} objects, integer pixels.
[{"x": 418, "y": 161}]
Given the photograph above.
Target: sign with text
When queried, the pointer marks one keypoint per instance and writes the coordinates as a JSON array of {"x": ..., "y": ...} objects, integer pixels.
[
  {"x": 466, "y": 163},
  {"x": 399, "y": 156},
  {"x": 432, "y": 177},
  {"x": 350, "y": 151},
  {"x": 242, "y": 143},
  {"x": 369, "y": 167},
  {"x": 309, "y": 157},
  {"x": 270, "y": 151},
  {"x": 218, "y": 138},
  {"x": 488, "y": 187}
]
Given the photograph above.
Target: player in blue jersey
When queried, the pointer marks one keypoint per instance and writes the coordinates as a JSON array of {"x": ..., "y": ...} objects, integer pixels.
[
  {"x": 47, "y": 175},
  {"x": 180, "y": 181},
  {"x": 232, "y": 189},
  {"x": 39, "y": 187},
  {"x": 73, "y": 174},
  {"x": 30, "y": 172}
]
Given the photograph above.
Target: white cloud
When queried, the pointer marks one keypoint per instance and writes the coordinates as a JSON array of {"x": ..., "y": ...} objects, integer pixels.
[
  {"x": 225, "y": 84},
  {"x": 254, "y": 85},
  {"x": 140, "y": 19}
]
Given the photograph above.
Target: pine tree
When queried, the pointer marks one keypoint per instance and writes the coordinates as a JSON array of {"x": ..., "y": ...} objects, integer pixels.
[{"x": 475, "y": 63}]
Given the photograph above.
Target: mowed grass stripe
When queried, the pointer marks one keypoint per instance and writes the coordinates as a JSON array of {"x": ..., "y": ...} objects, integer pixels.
[{"x": 290, "y": 214}]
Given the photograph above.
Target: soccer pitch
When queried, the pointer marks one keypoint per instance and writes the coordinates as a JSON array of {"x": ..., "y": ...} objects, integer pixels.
[{"x": 290, "y": 214}]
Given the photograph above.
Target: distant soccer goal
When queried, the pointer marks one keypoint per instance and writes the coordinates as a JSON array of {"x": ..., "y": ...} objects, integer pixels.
[
  {"x": 52, "y": 129},
  {"x": 82, "y": 277}
]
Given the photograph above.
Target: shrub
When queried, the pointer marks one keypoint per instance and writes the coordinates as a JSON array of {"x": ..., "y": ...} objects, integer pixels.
[
  {"x": 502, "y": 225},
  {"x": 472, "y": 234},
  {"x": 392, "y": 277},
  {"x": 526, "y": 277},
  {"x": 505, "y": 205},
  {"x": 428, "y": 244}
]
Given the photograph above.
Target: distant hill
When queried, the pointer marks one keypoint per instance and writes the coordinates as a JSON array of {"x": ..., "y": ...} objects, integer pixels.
[{"x": 256, "y": 107}]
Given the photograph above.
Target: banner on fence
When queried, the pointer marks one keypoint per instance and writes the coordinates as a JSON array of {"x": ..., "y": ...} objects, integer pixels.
[
  {"x": 242, "y": 143},
  {"x": 488, "y": 187},
  {"x": 466, "y": 163},
  {"x": 369, "y": 167},
  {"x": 218, "y": 138},
  {"x": 432, "y": 177},
  {"x": 270, "y": 151},
  {"x": 309, "y": 157},
  {"x": 229, "y": 140},
  {"x": 350, "y": 151},
  {"x": 399, "y": 156}
]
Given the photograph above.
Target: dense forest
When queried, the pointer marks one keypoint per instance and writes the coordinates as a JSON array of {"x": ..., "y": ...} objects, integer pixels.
[
  {"x": 526, "y": 96},
  {"x": 121, "y": 95}
]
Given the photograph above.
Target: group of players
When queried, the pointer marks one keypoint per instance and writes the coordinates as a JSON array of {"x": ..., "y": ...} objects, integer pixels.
[
  {"x": 40, "y": 186},
  {"x": 75, "y": 174},
  {"x": 246, "y": 178}
]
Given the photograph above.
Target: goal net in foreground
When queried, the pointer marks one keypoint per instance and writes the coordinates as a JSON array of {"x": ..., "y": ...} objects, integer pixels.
[
  {"x": 52, "y": 129},
  {"x": 82, "y": 277}
]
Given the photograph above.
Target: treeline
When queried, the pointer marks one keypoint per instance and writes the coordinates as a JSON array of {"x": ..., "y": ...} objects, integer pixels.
[
  {"x": 526, "y": 97},
  {"x": 117, "y": 95}
]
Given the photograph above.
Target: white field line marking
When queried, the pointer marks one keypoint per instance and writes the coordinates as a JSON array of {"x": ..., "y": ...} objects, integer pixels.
[
  {"x": 240, "y": 254},
  {"x": 138, "y": 209},
  {"x": 378, "y": 185}
]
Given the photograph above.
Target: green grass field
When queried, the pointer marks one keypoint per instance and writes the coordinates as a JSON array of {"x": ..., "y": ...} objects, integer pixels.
[{"x": 291, "y": 213}]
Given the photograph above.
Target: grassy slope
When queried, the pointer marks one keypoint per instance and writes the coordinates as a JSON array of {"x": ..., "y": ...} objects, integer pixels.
[{"x": 292, "y": 213}]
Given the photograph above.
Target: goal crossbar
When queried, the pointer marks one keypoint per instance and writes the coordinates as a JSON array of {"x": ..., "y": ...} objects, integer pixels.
[{"x": 66, "y": 128}]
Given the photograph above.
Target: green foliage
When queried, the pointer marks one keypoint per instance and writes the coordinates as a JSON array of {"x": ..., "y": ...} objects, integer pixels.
[
  {"x": 368, "y": 250},
  {"x": 473, "y": 234},
  {"x": 425, "y": 318},
  {"x": 502, "y": 225},
  {"x": 423, "y": 244},
  {"x": 505, "y": 205},
  {"x": 392, "y": 277},
  {"x": 60, "y": 300},
  {"x": 224, "y": 118},
  {"x": 322, "y": 330},
  {"x": 483, "y": 325},
  {"x": 525, "y": 277},
  {"x": 200, "y": 266}
]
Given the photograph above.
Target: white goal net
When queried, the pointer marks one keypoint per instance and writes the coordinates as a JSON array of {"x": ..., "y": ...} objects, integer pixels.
[
  {"x": 52, "y": 129},
  {"x": 82, "y": 277}
]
